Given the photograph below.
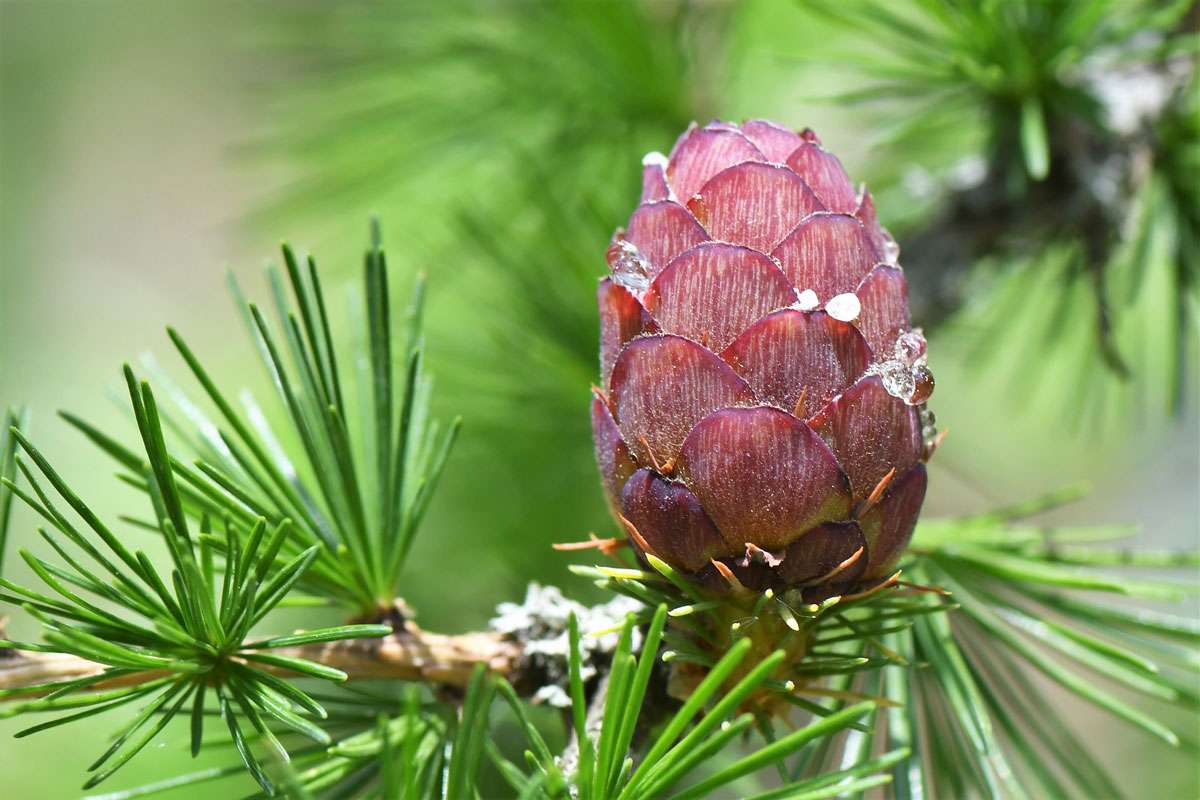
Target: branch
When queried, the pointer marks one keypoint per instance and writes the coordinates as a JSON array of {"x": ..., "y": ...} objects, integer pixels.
[
  {"x": 526, "y": 645},
  {"x": 409, "y": 654}
]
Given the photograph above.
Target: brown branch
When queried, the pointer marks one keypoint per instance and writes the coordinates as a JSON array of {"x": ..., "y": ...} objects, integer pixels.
[{"x": 409, "y": 654}]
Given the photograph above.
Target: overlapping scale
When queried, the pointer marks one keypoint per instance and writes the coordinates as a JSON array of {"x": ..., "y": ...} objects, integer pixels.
[
  {"x": 889, "y": 525},
  {"x": 883, "y": 295},
  {"x": 799, "y": 360},
  {"x": 823, "y": 553},
  {"x": 775, "y": 141},
  {"x": 612, "y": 455},
  {"x": 763, "y": 476},
  {"x": 746, "y": 334},
  {"x": 871, "y": 432},
  {"x": 670, "y": 521},
  {"x": 712, "y": 292},
  {"x": 702, "y": 153},
  {"x": 822, "y": 171},
  {"x": 754, "y": 204},
  {"x": 827, "y": 253},
  {"x": 661, "y": 386},
  {"x": 662, "y": 230},
  {"x": 622, "y": 318}
]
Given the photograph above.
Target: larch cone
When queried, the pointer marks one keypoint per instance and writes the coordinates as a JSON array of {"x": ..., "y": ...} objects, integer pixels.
[{"x": 760, "y": 416}]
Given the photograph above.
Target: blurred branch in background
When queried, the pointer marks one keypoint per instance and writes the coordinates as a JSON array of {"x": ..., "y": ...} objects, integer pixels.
[{"x": 1055, "y": 145}]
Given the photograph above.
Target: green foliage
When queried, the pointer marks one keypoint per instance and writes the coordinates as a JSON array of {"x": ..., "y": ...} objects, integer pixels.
[
  {"x": 378, "y": 733},
  {"x": 965, "y": 715},
  {"x": 701, "y": 622},
  {"x": 356, "y": 511},
  {"x": 192, "y": 630},
  {"x": 1153, "y": 325},
  {"x": 704, "y": 726},
  {"x": 353, "y": 498},
  {"x": 411, "y": 97},
  {"x": 1071, "y": 210},
  {"x": 13, "y": 420},
  {"x": 247, "y": 481},
  {"x": 419, "y": 751},
  {"x": 1013, "y": 67},
  {"x": 976, "y": 720},
  {"x": 950, "y": 665},
  {"x": 506, "y": 135},
  {"x": 709, "y": 715}
]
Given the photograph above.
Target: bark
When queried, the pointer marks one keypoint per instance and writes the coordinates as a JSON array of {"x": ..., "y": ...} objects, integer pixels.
[{"x": 409, "y": 654}]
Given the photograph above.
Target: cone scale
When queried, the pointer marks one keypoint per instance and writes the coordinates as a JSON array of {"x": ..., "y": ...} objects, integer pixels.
[{"x": 760, "y": 417}]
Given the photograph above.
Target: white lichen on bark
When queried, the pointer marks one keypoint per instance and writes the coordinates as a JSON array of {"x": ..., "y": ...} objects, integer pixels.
[{"x": 539, "y": 625}]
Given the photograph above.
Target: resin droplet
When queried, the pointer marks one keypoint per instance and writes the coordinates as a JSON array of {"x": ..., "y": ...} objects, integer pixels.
[
  {"x": 922, "y": 385},
  {"x": 912, "y": 384},
  {"x": 628, "y": 267},
  {"x": 807, "y": 301},
  {"x": 897, "y": 378},
  {"x": 929, "y": 440},
  {"x": 910, "y": 347},
  {"x": 929, "y": 431},
  {"x": 844, "y": 307},
  {"x": 654, "y": 158}
]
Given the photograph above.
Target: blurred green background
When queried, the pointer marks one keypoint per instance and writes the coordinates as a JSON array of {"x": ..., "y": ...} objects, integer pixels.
[{"x": 145, "y": 147}]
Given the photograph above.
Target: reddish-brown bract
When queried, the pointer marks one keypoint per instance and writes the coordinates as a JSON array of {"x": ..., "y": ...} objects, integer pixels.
[{"x": 737, "y": 421}]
